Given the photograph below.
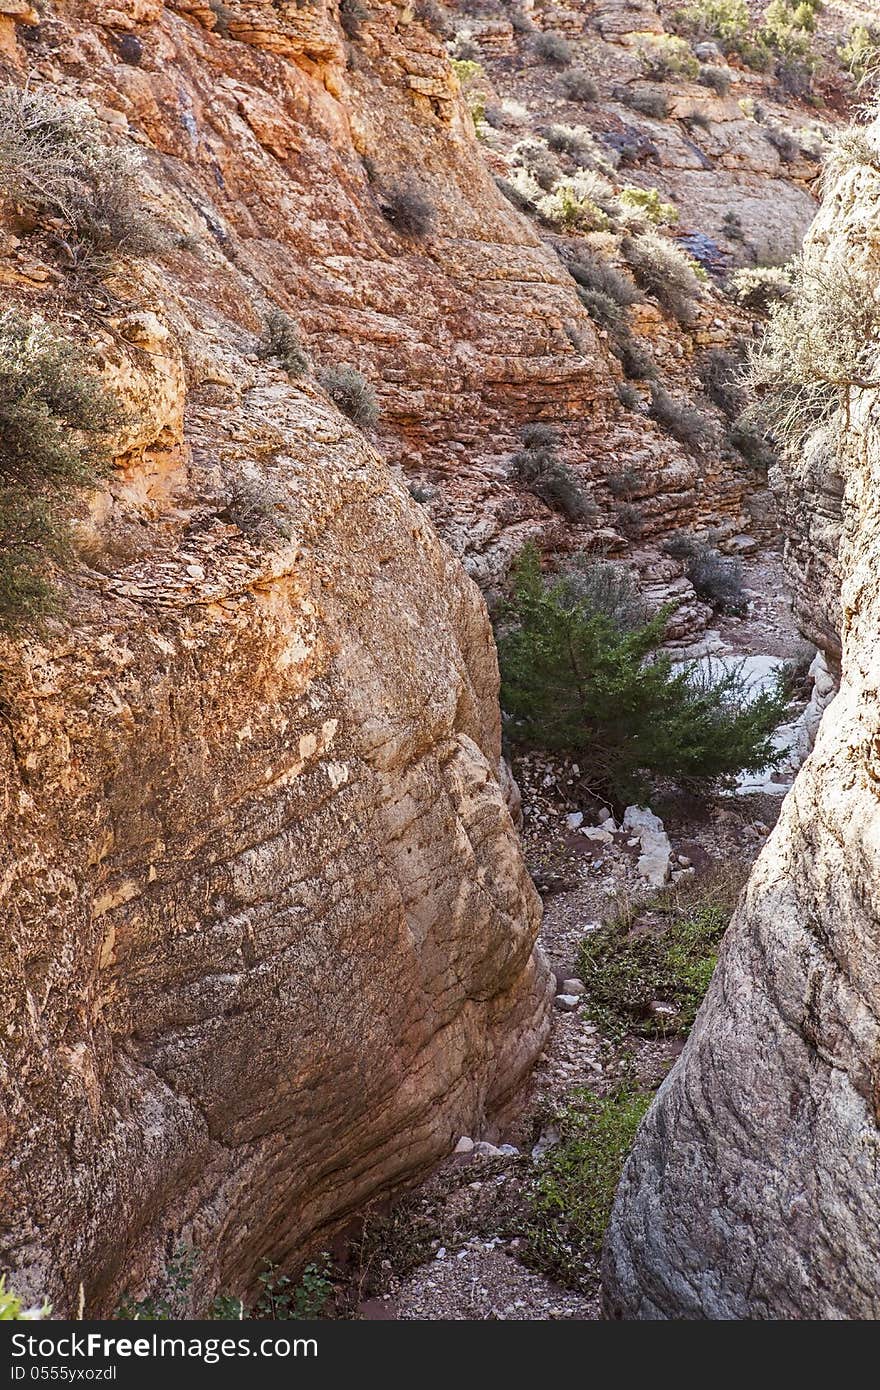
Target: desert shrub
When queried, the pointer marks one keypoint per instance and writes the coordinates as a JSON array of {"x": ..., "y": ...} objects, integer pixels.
[
  {"x": 578, "y": 85},
  {"x": 352, "y": 393},
  {"x": 553, "y": 49},
  {"x": 861, "y": 52},
  {"x": 720, "y": 373},
  {"x": 602, "y": 309},
  {"x": 283, "y": 1298},
  {"x": 725, "y": 20},
  {"x": 280, "y": 339},
  {"x": 55, "y": 162},
  {"x": 536, "y": 159},
  {"x": 630, "y": 519},
  {"x": 353, "y": 16},
  {"x": 732, "y": 227},
  {"x": 683, "y": 422},
  {"x": 634, "y": 357},
  {"x": 752, "y": 443},
  {"x": 567, "y": 208},
  {"x": 644, "y": 100},
  {"x": 628, "y": 396},
  {"x": 783, "y": 141},
  {"x": 538, "y": 467},
  {"x": 522, "y": 23},
  {"x": 574, "y": 680},
  {"x": 820, "y": 347},
  {"x": 663, "y": 56},
  {"x": 593, "y": 273},
  {"x": 578, "y": 143},
  {"x": 258, "y": 509},
  {"x": 665, "y": 271},
  {"x": 55, "y": 419},
  {"x": 663, "y": 951},
  {"x": 648, "y": 203},
  {"x": 408, "y": 209},
  {"x": 851, "y": 148},
  {"x": 759, "y": 288},
  {"x": 572, "y": 1193},
  {"x": 719, "y": 79},
  {"x": 717, "y": 578}
]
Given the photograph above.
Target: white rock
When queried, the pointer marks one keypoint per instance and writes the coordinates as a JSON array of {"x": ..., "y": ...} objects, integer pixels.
[
  {"x": 573, "y": 986},
  {"x": 653, "y": 863},
  {"x": 566, "y": 1002},
  {"x": 599, "y": 835},
  {"x": 574, "y": 820},
  {"x": 464, "y": 1146},
  {"x": 485, "y": 1150}
]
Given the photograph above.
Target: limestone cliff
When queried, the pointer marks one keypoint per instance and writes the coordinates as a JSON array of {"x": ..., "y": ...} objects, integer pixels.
[{"x": 752, "y": 1191}]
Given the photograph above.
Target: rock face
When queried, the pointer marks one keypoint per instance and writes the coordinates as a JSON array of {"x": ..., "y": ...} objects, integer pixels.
[
  {"x": 267, "y": 944},
  {"x": 752, "y": 1190}
]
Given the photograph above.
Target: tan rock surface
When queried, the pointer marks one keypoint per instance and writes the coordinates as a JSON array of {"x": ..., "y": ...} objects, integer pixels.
[{"x": 752, "y": 1191}]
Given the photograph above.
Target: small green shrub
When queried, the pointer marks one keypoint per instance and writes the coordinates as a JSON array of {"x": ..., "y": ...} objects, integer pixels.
[
  {"x": 720, "y": 373},
  {"x": 683, "y": 422},
  {"x": 861, "y": 52},
  {"x": 55, "y": 418},
  {"x": 664, "y": 952},
  {"x": 568, "y": 209},
  {"x": 282, "y": 1299},
  {"x": 352, "y": 393},
  {"x": 665, "y": 271},
  {"x": 717, "y": 579},
  {"x": 572, "y": 1193},
  {"x": 663, "y": 57},
  {"x": 574, "y": 681},
  {"x": 56, "y": 163},
  {"x": 634, "y": 357},
  {"x": 536, "y": 159},
  {"x": 593, "y": 273},
  {"x": 602, "y": 309},
  {"x": 408, "y": 209},
  {"x": 646, "y": 101},
  {"x": 578, "y": 85},
  {"x": 649, "y": 204},
  {"x": 258, "y": 509},
  {"x": 280, "y": 339},
  {"x": 718, "y": 79},
  {"x": 759, "y": 288},
  {"x": 553, "y": 49},
  {"x": 725, "y": 20},
  {"x": 538, "y": 467},
  {"x": 171, "y": 1303}
]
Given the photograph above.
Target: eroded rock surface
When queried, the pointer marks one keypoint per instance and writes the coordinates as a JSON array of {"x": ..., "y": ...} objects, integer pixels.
[{"x": 752, "y": 1191}]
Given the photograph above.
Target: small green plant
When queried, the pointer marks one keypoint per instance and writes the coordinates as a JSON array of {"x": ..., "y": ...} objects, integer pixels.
[
  {"x": 760, "y": 287},
  {"x": 280, "y": 340},
  {"x": 663, "y": 57},
  {"x": 718, "y": 79},
  {"x": 572, "y": 1193},
  {"x": 861, "y": 52},
  {"x": 578, "y": 85},
  {"x": 13, "y": 1310},
  {"x": 649, "y": 204},
  {"x": 172, "y": 1301},
  {"x": 689, "y": 426},
  {"x": 725, "y": 20},
  {"x": 226, "y": 1308},
  {"x": 282, "y": 1299},
  {"x": 717, "y": 579},
  {"x": 592, "y": 272},
  {"x": 567, "y": 208},
  {"x": 662, "y": 951},
  {"x": 552, "y": 49},
  {"x": 55, "y": 421},
  {"x": 538, "y": 467},
  {"x": 574, "y": 680},
  {"x": 352, "y": 393}
]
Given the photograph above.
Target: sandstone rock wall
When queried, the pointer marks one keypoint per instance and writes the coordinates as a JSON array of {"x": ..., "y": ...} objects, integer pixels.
[
  {"x": 752, "y": 1191},
  {"x": 267, "y": 943}
]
